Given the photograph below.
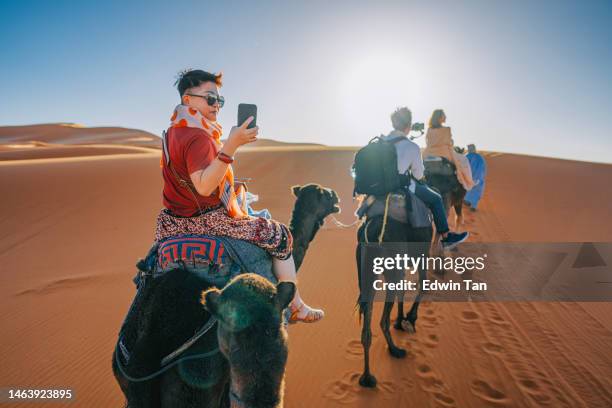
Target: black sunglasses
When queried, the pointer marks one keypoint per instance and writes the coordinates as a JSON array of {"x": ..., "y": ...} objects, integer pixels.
[{"x": 212, "y": 99}]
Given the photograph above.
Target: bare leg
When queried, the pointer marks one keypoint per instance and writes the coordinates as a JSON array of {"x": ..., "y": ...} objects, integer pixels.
[{"x": 284, "y": 270}]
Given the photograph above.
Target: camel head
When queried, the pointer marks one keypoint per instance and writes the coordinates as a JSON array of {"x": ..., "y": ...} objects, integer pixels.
[
  {"x": 312, "y": 204},
  {"x": 252, "y": 337},
  {"x": 316, "y": 199}
]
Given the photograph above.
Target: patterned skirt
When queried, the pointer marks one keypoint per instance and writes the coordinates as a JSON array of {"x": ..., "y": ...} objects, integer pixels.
[{"x": 270, "y": 235}]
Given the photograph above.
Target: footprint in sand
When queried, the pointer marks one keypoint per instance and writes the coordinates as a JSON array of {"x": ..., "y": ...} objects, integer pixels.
[
  {"x": 354, "y": 350},
  {"x": 533, "y": 390},
  {"x": 488, "y": 393},
  {"x": 430, "y": 379},
  {"x": 431, "y": 341},
  {"x": 469, "y": 316},
  {"x": 430, "y": 320},
  {"x": 431, "y": 309},
  {"x": 498, "y": 320},
  {"x": 431, "y": 383},
  {"x": 413, "y": 346},
  {"x": 348, "y": 391},
  {"x": 493, "y": 348},
  {"x": 444, "y": 399}
]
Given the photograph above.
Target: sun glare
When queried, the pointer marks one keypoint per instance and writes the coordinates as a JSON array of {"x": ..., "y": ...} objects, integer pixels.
[{"x": 373, "y": 87}]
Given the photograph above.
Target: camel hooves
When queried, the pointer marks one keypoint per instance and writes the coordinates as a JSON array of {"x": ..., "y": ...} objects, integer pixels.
[
  {"x": 399, "y": 325},
  {"x": 409, "y": 326},
  {"x": 397, "y": 352},
  {"x": 367, "y": 380}
]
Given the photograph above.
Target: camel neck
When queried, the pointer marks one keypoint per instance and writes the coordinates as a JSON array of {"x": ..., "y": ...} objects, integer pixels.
[{"x": 303, "y": 226}]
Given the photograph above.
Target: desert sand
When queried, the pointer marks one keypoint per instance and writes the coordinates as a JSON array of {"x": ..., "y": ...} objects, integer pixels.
[{"x": 78, "y": 209}]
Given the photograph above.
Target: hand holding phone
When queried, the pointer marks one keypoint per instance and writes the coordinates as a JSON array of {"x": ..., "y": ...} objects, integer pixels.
[{"x": 245, "y": 132}]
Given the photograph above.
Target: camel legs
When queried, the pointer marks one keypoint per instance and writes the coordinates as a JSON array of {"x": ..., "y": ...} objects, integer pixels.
[
  {"x": 458, "y": 222},
  {"x": 457, "y": 201},
  {"x": 412, "y": 315},
  {"x": 458, "y": 215},
  {"x": 367, "y": 379},
  {"x": 400, "y": 316},
  {"x": 385, "y": 325}
]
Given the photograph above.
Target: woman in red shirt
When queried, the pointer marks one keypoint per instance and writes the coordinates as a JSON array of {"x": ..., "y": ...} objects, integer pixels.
[{"x": 199, "y": 194}]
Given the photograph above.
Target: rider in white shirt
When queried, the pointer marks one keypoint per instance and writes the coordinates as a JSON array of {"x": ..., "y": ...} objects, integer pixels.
[{"x": 409, "y": 161}]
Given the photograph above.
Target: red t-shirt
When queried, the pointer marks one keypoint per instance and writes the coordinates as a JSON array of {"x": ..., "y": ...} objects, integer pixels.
[{"x": 190, "y": 150}]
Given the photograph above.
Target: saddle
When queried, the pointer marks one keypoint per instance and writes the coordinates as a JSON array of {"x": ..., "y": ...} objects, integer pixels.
[
  {"x": 215, "y": 259},
  {"x": 439, "y": 166},
  {"x": 441, "y": 174},
  {"x": 414, "y": 212}
]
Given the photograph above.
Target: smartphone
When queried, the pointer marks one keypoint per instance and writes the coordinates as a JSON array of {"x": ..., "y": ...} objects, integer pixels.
[{"x": 245, "y": 110}]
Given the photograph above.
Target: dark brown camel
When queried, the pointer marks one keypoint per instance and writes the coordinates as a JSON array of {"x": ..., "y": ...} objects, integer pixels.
[
  {"x": 370, "y": 231},
  {"x": 443, "y": 178},
  {"x": 169, "y": 311}
]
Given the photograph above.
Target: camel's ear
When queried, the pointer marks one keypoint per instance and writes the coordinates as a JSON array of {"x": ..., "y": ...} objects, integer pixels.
[
  {"x": 210, "y": 300},
  {"x": 285, "y": 291},
  {"x": 296, "y": 190}
]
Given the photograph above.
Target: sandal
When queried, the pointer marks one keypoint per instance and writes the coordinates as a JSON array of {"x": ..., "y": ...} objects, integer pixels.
[{"x": 312, "y": 316}]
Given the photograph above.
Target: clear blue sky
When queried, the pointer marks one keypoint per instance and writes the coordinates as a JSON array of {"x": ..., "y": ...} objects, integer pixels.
[{"x": 530, "y": 77}]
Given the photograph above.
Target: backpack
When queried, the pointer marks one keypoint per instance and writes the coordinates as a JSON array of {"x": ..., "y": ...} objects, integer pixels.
[{"x": 375, "y": 167}]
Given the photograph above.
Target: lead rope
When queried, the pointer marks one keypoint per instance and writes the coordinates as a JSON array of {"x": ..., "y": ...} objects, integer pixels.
[{"x": 342, "y": 225}]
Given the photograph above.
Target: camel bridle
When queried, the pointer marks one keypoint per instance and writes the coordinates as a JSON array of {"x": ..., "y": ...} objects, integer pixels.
[{"x": 167, "y": 362}]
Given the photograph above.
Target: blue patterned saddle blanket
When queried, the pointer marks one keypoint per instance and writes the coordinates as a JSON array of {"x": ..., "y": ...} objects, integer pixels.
[{"x": 216, "y": 259}]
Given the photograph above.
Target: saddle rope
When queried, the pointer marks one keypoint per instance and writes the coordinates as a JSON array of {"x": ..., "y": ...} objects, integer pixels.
[{"x": 384, "y": 226}]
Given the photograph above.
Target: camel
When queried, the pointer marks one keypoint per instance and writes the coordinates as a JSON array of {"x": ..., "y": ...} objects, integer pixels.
[
  {"x": 168, "y": 310},
  {"x": 252, "y": 337},
  {"x": 444, "y": 180},
  {"x": 370, "y": 231}
]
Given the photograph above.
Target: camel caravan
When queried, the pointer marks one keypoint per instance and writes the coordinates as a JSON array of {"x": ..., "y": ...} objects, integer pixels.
[{"x": 218, "y": 288}]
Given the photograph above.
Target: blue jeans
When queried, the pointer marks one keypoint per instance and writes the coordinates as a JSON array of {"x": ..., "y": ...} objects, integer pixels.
[{"x": 433, "y": 201}]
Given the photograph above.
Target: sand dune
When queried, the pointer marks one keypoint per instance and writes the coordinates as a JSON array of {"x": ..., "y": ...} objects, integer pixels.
[
  {"x": 57, "y": 140},
  {"x": 73, "y": 229},
  {"x": 69, "y": 133}
]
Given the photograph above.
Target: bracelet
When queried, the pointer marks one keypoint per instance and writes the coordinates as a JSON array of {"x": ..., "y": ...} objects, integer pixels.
[{"x": 225, "y": 158}]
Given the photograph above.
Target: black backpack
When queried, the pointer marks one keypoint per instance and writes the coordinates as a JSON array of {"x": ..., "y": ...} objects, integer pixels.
[{"x": 375, "y": 167}]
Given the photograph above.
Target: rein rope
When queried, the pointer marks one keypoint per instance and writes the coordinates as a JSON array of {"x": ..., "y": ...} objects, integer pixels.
[
  {"x": 358, "y": 221},
  {"x": 166, "y": 362},
  {"x": 342, "y": 225}
]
